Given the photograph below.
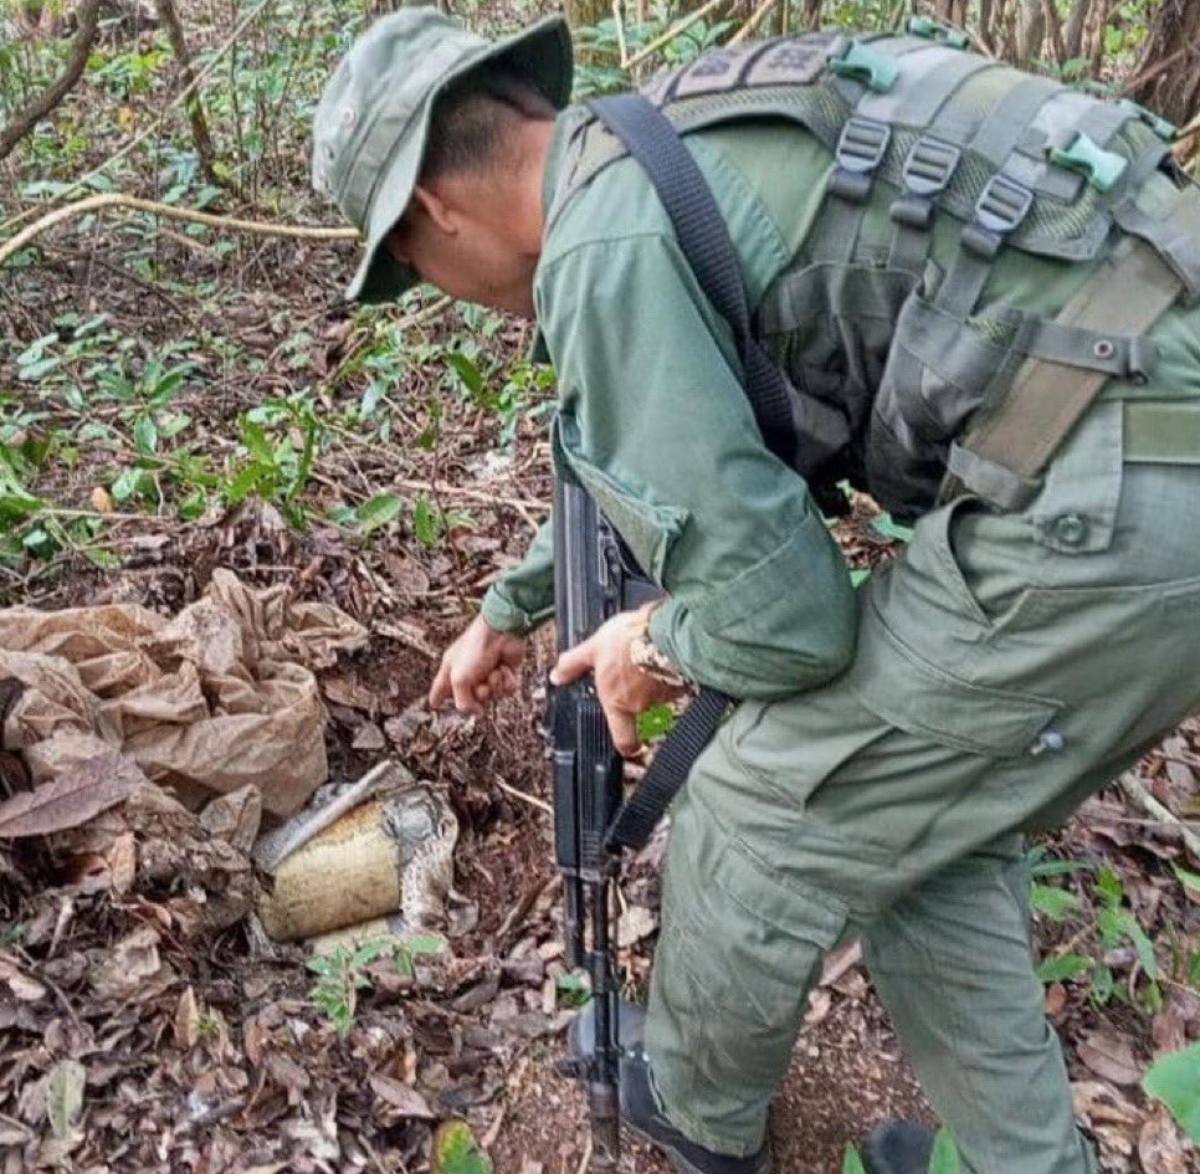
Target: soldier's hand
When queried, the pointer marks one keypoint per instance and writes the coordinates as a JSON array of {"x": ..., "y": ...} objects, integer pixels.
[
  {"x": 481, "y": 665},
  {"x": 624, "y": 689}
]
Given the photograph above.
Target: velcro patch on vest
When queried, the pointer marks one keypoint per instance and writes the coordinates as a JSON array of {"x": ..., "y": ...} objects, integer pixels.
[{"x": 798, "y": 61}]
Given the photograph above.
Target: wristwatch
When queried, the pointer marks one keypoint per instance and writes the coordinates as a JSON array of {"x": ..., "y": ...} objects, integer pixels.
[{"x": 645, "y": 655}]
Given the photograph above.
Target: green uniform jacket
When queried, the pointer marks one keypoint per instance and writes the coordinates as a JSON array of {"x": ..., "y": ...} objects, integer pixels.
[{"x": 655, "y": 424}]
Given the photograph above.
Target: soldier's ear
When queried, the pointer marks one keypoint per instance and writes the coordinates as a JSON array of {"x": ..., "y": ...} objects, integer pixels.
[{"x": 434, "y": 204}]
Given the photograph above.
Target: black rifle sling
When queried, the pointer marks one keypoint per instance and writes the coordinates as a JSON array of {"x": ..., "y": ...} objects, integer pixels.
[{"x": 704, "y": 241}]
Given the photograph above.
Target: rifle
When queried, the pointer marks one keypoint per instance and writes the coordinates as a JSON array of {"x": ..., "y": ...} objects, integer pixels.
[{"x": 592, "y": 581}]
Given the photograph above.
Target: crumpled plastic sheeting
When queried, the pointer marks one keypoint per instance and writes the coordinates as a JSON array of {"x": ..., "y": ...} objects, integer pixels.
[{"x": 219, "y": 697}]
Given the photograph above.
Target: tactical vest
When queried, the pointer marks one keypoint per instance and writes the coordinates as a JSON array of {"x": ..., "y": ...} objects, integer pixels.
[{"x": 946, "y": 166}]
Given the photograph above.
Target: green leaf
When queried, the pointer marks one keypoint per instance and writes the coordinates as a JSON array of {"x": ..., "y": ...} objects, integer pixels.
[
  {"x": 145, "y": 435},
  {"x": 1063, "y": 967},
  {"x": 455, "y": 1151},
  {"x": 852, "y": 1163},
  {"x": 655, "y": 722},
  {"x": 425, "y": 943},
  {"x": 1190, "y": 880},
  {"x": 471, "y": 376},
  {"x": 1175, "y": 1080},
  {"x": 944, "y": 1159},
  {"x": 379, "y": 510},
  {"x": 1052, "y": 902}
]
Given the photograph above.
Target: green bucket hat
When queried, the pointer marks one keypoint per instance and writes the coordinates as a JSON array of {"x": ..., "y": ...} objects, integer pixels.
[{"x": 372, "y": 123}]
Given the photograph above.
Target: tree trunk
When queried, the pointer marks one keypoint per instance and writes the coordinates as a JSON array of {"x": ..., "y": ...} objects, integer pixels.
[
  {"x": 581, "y": 13},
  {"x": 1167, "y": 78}
]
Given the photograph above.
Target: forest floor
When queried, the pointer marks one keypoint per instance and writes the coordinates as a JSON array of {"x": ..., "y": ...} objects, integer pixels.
[{"x": 201, "y": 1050}]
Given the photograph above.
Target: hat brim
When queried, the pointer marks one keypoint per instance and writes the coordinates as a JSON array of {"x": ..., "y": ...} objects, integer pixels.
[{"x": 541, "y": 53}]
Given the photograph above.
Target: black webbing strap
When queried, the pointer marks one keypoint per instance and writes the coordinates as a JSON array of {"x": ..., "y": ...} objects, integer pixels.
[{"x": 704, "y": 240}]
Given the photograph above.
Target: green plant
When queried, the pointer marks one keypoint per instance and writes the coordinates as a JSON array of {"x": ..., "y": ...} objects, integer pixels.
[
  {"x": 341, "y": 974},
  {"x": 1175, "y": 1080},
  {"x": 1105, "y": 927}
]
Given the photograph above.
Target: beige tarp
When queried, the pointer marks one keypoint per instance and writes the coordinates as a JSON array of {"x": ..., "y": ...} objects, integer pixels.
[{"x": 220, "y": 696}]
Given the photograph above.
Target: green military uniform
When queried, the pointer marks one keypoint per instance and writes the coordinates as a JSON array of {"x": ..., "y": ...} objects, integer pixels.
[
  {"x": 1006, "y": 665},
  {"x": 895, "y": 742}
]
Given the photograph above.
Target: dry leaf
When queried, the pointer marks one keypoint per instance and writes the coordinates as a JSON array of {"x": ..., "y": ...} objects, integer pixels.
[
  {"x": 64, "y": 1097},
  {"x": 1098, "y": 1104},
  {"x": 1110, "y": 1056},
  {"x": 80, "y": 794},
  {"x": 636, "y": 923},
  {"x": 187, "y": 1020},
  {"x": 128, "y": 963},
  {"x": 406, "y": 1100},
  {"x": 1161, "y": 1144}
]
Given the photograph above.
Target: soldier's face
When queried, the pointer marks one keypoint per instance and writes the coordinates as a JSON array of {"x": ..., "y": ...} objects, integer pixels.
[{"x": 464, "y": 256}]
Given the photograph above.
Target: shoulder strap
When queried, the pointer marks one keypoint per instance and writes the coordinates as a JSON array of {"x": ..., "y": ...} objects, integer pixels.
[{"x": 703, "y": 238}]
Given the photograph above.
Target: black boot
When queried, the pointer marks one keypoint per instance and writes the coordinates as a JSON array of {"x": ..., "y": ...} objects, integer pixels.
[
  {"x": 898, "y": 1147},
  {"x": 639, "y": 1104},
  {"x": 641, "y": 1112}
]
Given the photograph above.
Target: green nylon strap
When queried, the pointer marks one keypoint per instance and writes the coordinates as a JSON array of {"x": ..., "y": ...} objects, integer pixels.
[
  {"x": 1165, "y": 432},
  {"x": 1046, "y": 400}
]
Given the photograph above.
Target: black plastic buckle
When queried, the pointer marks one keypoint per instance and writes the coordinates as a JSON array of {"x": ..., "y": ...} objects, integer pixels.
[
  {"x": 927, "y": 172},
  {"x": 1002, "y": 206},
  {"x": 860, "y": 150}
]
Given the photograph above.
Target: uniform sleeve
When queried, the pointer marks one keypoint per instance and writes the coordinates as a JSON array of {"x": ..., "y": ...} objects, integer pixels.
[
  {"x": 656, "y": 424},
  {"x": 523, "y": 598}
]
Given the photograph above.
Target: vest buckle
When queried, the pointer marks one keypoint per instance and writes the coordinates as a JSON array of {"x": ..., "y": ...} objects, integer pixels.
[
  {"x": 1080, "y": 153},
  {"x": 854, "y": 60},
  {"x": 1002, "y": 206},
  {"x": 936, "y": 30},
  {"x": 927, "y": 172},
  {"x": 860, "y": 150}
]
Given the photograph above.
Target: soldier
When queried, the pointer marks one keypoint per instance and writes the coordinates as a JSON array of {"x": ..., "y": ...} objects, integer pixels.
[{"x": 981, "y": 286}]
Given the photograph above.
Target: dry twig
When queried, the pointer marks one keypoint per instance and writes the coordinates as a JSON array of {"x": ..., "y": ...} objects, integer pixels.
[{"x": 119, "y": 200}]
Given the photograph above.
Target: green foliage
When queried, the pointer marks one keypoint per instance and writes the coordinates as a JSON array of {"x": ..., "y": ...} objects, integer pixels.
[
  {"x": 341, "y": 974},
  {"x": 1175, "y": 1080},
  {"x": 852, "y": 1163},
  {"x": 1105, "y": 929},
  {"x": 656, "y": 722},
  {"x": 455, "y": 1151},
  {"x": 573, "y": 990}
]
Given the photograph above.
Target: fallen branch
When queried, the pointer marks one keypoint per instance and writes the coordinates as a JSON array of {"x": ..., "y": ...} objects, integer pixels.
[
  {"x": 752, "y": 24},
  {"x": 119, "y": 200},
  {"x": 1136, "y": 790},
  {"x": 213, "y": 61},
  {"x": 26, "y": 120}
]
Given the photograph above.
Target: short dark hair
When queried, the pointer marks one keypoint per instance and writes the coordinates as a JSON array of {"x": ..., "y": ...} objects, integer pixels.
[{"x": 475, "y": 118}]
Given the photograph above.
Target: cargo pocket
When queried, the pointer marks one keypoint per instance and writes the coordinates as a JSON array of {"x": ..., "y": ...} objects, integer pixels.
[
  {"x": 907, "y": 690},
  {"x": 739, "y": 950}
]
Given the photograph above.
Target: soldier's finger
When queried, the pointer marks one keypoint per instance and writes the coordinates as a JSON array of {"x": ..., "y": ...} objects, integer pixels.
[
  {"x": 573, "y": 663},
  {"x": 623, "y": 727},
  {"x": 464, "y": 695},
  {"x": 439, "y": 691}
]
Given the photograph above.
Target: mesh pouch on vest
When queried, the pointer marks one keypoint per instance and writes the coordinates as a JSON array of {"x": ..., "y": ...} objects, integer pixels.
[{"x": 933, "y": 143}]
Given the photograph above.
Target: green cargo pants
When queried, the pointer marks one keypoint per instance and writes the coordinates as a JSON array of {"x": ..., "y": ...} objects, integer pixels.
[{"x": 1007, "y": 666}]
